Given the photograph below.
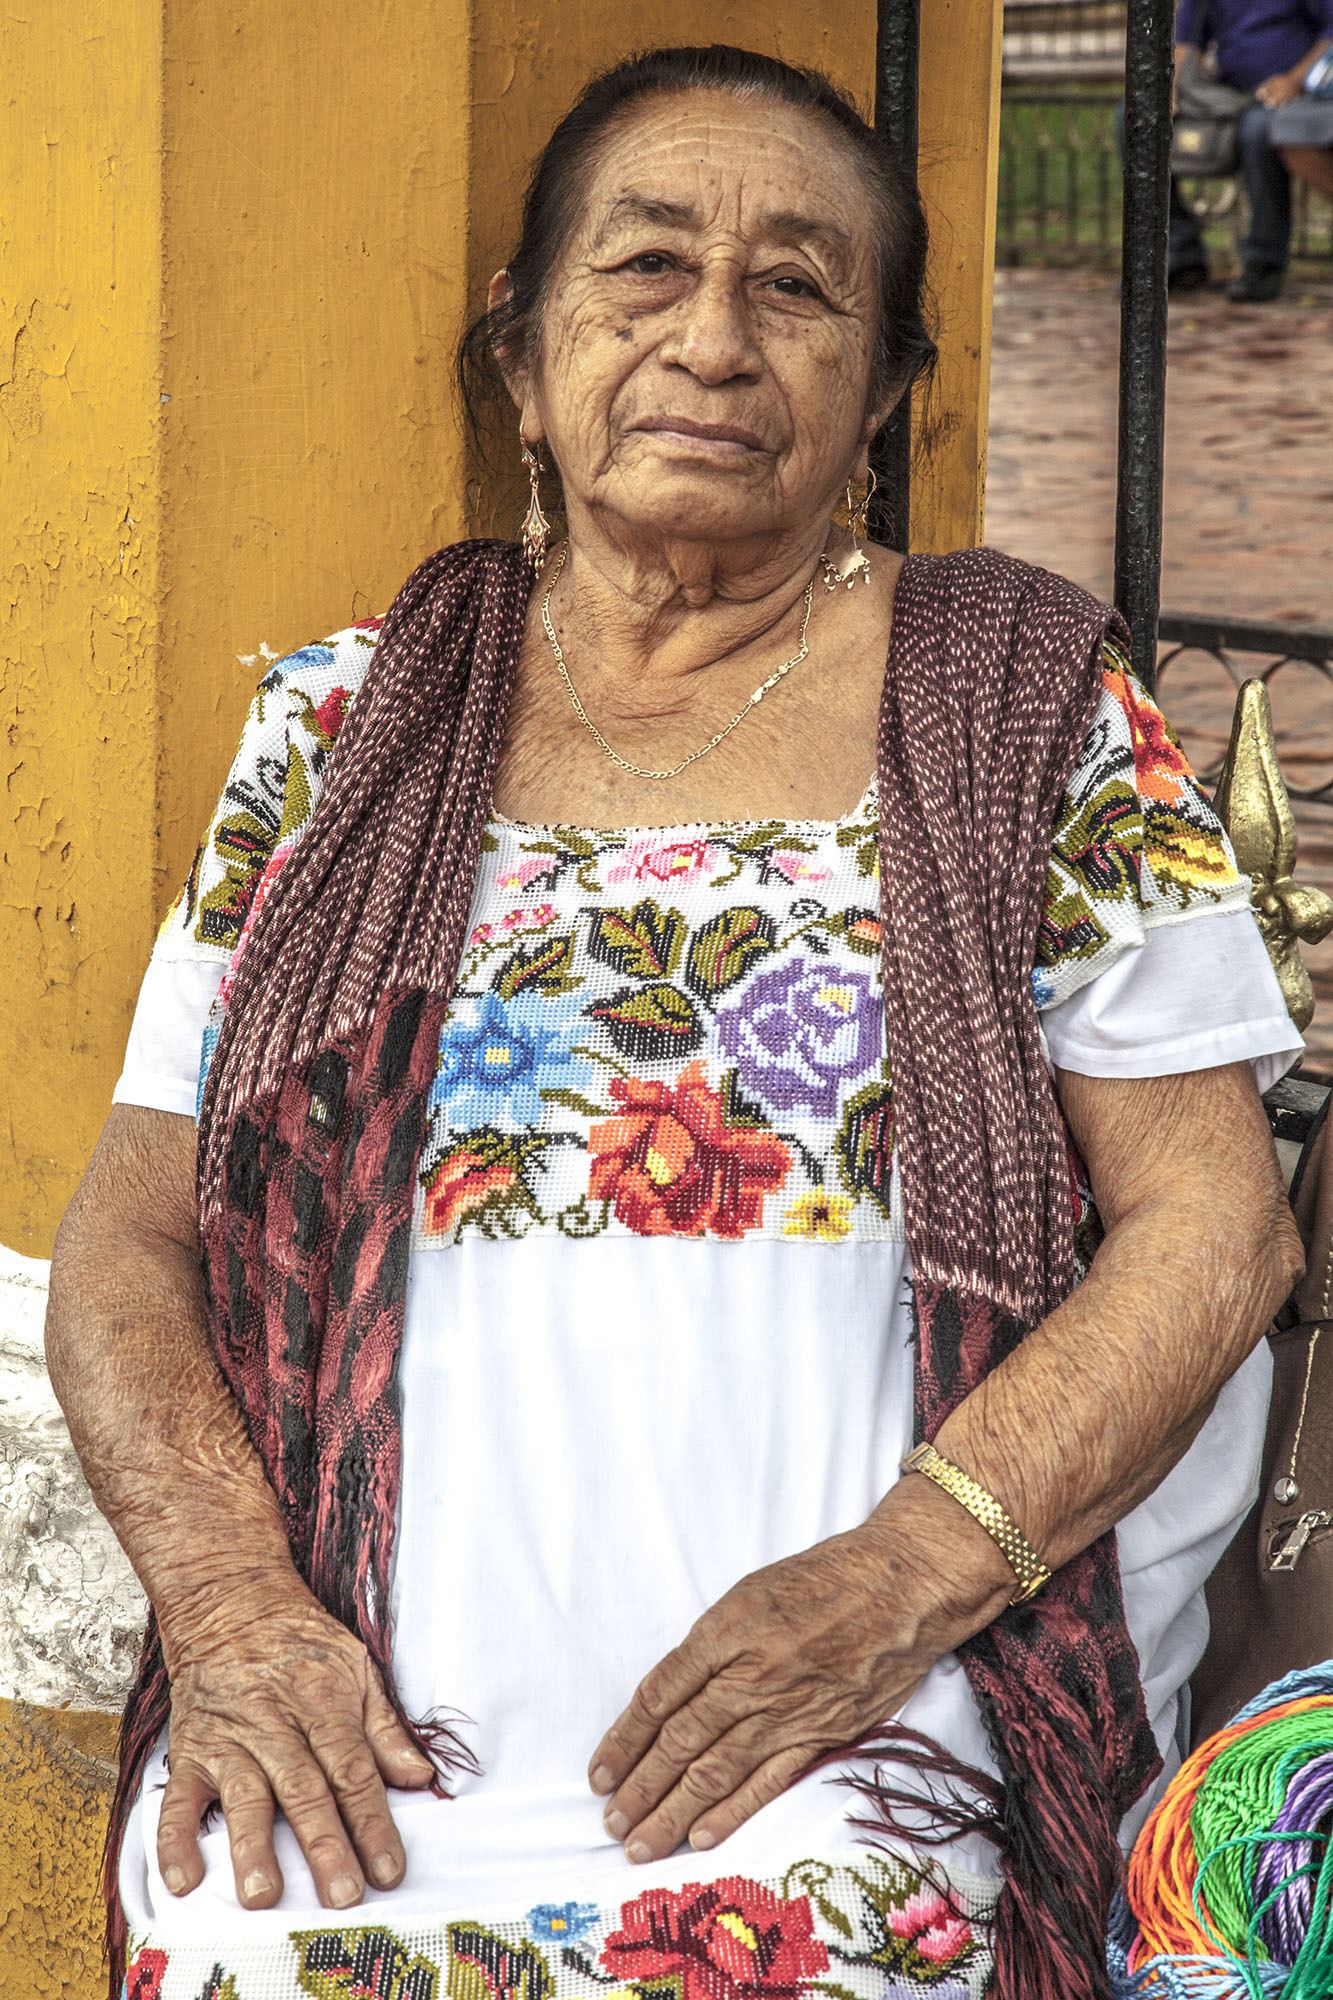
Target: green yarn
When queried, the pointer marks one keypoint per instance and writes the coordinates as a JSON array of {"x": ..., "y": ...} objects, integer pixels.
[{"x": 1244, "y": 1789}]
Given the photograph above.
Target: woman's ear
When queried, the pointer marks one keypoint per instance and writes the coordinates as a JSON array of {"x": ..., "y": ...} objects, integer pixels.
[{"x": 507, "y": 354}]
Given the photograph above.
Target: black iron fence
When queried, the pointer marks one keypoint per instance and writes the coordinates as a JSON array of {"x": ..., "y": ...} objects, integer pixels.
[
  {"x": 1295, "y": 664},
  {"x": 1059, "y": 193}
]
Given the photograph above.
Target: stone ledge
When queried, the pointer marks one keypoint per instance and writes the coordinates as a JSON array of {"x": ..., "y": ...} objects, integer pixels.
[{"x": 71, "y": 1611}]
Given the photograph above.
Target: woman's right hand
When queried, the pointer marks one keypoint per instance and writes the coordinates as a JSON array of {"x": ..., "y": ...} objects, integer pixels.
[{"x": 285, "y": 1710}]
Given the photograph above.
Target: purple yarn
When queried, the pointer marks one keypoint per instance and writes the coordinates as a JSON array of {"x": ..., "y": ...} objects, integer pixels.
[{"x": 1308, "y": 1804}]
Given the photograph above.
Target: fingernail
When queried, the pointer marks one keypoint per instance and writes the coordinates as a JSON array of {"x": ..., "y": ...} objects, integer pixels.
[
  {"x": 343, "y": 1889},
  {"x": 638, "y": 1851},
  {"x": 384, "y": 1870},
  {"x": 602, "y": 1780},
  {"x": 257, "y": 1884},
  {"x": 616, "y": 1824},
  {"x": 175, "y": 1881},
  {"x": 702, "y": 1836}
]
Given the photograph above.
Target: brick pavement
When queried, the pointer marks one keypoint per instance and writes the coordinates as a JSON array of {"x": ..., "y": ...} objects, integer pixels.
[{"x": 1248, "y": 495}]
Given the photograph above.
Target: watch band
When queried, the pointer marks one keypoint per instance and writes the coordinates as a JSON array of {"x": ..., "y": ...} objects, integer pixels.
[{"x": 1018, "y": 1551}]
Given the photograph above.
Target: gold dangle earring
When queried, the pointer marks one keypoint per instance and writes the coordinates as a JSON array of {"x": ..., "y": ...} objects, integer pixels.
[
  {"x": 858, "y": 563},
  {"x": 536, "y": 529}
]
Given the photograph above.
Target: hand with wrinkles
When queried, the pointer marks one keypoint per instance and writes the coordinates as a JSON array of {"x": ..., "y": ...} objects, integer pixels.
[
  {"x": 797, "y": 1659},
  {"x": 286, "y": 1711}
]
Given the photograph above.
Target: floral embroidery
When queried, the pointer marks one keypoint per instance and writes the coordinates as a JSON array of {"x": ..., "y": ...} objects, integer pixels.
[
  {"x": 648, "y": 858},
  {"x": 680, "y": 1030},
  {"x": 362, "y": 1965},
  {"x": 562, "y": 1921},
  {"x": 800, "y": 1031},
  {"x": 1136, "y": 842},
  {"x": 719, "y": 1946},
  {"x": 495, "y": 1057},
  {"x": 144, "y": 1975},
  {"x": 826, "y": 1217},
  {"x": 672, "y": 1164},
  {"x": 876, "y": 1928}
]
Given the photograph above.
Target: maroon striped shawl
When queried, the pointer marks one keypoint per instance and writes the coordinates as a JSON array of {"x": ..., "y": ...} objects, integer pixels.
[{"x": 314, "y": 1116}]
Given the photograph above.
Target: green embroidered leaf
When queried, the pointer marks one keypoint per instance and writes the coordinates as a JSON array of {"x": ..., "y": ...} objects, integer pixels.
[
  {"x": 864, "y": 837},
  {"x": 542, "y": 967},
  {"x": 1069, "y": 926},
  {"x": 351, "y": 1964},
  {"x": 583, "y": 1218},
  {"x": 649, "y": 1023},
  {"x": 573, "y": 1100},
  {"x": 864, "y": 1145},
  {"x": 485, "y": 1966},
  {"x": 768, "y": 835},
  {"x": 810, "y": 1878},
  {"x": 219, "y": 1985},
  {"x": 296, "y": 794},
  {"x": 738, "y": 1109},
  {"x": 727, "y": 947},
  {"x": 644, "y": 942}
]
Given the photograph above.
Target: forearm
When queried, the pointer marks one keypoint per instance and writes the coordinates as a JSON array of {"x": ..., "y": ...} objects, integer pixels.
[
  {"x": 158, "y": 1434},
  {"x": 1089, "y": 1413},
  {"x": 1307, "y": 62}
]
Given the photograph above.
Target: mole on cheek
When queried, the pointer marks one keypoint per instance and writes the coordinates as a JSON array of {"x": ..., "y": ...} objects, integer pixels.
[{"x": 624, "y": 333}]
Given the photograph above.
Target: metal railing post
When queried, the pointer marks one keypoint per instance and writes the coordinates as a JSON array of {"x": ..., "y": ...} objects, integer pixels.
[
  {"x": 1138, "y": 506},
  {"x": 897, "y": 45}
]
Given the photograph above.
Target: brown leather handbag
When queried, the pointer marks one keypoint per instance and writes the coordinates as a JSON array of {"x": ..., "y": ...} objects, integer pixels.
[{"x": 1270, "y": 1600}]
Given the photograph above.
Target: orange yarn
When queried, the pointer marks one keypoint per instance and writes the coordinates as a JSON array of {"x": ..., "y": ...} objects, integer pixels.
[{"x": 1163, "y": 1869}]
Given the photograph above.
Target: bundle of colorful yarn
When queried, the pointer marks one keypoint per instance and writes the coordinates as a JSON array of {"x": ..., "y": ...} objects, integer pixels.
[{"x": 1229, "y": 1890}]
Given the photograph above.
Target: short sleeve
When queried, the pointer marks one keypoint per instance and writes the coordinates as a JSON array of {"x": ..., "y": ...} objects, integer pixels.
[
  {"x": 1149, "y": 958},
  {"x": 267, "y": 802}
]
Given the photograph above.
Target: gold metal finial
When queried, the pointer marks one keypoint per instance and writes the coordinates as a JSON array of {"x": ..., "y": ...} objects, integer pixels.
[{"x": 1252, "y": 802}]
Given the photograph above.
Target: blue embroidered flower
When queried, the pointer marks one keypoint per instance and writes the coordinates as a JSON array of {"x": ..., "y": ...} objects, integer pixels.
[
  {"x": 1043, "y": 986},
  {"x": 562, "y": 1922},
  {"x": 292, "y": 663},
  {"x": 802, "y": 1031},
  {"x": 497, "y": 1056}
]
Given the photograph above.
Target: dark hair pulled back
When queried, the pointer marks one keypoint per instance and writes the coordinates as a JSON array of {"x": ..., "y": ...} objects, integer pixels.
[{"x": 557, "y": 188}]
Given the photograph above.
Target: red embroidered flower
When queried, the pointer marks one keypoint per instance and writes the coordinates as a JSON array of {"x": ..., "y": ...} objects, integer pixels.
[
  {"x": 143, "y": 1979},
  {"x": 1161, "y": 769},
  {"x": 724, "y": 1940},
  {"x": 462, "y": 1182},
  {"x": 672, "y": 1166},
  {"x": 329, "y": 715}
]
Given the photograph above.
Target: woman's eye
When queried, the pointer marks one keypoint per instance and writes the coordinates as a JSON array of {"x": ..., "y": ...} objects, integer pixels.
[
  {"x": 801, "y": 287},
  {"x": 648, "y": 263}
]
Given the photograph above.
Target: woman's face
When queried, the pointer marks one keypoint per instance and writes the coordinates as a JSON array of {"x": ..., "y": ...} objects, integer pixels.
[{"x": 707, "y": 342}]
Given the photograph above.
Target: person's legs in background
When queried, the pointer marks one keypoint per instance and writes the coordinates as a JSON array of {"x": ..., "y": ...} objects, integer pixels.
[
  {"x": 1312, "y": 164},
  {"x": 1264, "y": 246}
]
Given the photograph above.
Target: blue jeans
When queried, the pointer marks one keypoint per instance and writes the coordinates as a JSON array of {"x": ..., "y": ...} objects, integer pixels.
[{"x": 1267, "y": 189}]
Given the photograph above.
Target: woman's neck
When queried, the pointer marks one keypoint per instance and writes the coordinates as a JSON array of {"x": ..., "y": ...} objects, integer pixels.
[{"x": 644, "y": 621}]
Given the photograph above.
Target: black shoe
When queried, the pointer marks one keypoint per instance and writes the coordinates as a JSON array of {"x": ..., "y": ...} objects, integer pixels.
[
  {"x": 1257, "y": 284},
  {"x": 1187, "y": 278}
]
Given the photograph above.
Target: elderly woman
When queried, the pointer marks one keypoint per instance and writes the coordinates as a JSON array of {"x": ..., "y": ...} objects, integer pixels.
[{"x": 669, "y": 1038}]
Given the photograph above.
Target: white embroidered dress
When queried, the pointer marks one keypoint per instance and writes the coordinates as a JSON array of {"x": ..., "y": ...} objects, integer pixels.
[{"x": 658, "y": 1334}]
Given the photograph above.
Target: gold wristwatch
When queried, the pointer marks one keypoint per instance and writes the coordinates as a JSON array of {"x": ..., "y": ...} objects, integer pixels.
[{"x": 1018, "y": 1551}]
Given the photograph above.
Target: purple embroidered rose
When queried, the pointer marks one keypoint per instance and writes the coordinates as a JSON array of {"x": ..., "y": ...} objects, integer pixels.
[{"x": 802, "y": 1031}]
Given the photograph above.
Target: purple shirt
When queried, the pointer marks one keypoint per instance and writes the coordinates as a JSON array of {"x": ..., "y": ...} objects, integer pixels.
[{"x": 1256, "y": 39}]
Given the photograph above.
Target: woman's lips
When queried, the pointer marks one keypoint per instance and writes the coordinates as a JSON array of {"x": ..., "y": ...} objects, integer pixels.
[{"x": 703, "y": 440}]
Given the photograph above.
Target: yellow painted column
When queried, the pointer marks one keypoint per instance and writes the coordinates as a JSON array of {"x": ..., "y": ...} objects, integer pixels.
[
  {"x": 240, "y": 244},
  {"x": 80, "y": 499},
  {"x": 959, "y": 169}
]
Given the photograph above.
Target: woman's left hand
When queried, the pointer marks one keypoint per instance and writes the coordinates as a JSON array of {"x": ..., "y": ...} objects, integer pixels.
[{"x": 797, "y": 1659}]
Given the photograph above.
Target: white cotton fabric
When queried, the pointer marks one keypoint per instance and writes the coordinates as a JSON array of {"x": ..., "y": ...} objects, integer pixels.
[{"x": 593, "y": 1453}]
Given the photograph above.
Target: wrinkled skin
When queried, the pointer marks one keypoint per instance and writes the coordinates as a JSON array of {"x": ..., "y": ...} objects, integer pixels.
[{"x": 683, "y": 588}]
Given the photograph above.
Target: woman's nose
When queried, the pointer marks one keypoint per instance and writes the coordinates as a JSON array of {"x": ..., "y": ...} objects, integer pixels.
[{"x": 712, "y": 334}]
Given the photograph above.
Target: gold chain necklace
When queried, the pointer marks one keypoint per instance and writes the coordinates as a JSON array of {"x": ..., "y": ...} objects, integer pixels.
[{"x": 641, "y": 770}]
